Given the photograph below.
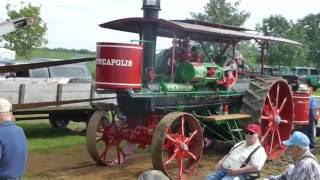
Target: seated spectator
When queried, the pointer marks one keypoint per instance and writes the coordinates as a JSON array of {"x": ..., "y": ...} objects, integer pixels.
[
  {"x": 305, "y": 165},
  {"x": 245, "y": 159}
]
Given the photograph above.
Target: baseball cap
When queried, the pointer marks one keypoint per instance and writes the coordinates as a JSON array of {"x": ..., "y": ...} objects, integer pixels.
[
  {"x": 298, "y": 139},
  {"x": 5, "y": 105},
  {"x": 253, "y": 128}
]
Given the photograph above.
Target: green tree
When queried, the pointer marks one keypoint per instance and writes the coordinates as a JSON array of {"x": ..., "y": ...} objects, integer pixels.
[
  {"x": 283, "y": 54},
  {"x": 311, "y": 26},
  {"x": 221, "y": 12},
  {"x": 25, "y": 39},
  {"x": 250, "y": 53}
]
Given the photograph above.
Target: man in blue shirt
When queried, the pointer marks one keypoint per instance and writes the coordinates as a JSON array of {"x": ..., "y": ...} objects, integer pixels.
[
  {"x": 309, "y": 129},
  {"x": 312, "y": 123},
  {"x": 13, "y": 145}
]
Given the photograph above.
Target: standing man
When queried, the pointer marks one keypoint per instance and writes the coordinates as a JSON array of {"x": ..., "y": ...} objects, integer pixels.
[
  {"x": 309, "y": 129},
  {"x": 245, "y": 158},
  {"x": 13, "y": 145},
  {"x": 305, "y": 165}
]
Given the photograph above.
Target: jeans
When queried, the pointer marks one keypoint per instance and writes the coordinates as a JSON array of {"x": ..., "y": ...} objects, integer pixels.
[
  {"x": 10, "y": 178},
  {"x": 222, "y": 175},
  {"x": 309, "y": 129}
]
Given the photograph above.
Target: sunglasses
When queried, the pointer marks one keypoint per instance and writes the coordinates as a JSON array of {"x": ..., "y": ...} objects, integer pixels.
[{"x": 249, "y": 133}]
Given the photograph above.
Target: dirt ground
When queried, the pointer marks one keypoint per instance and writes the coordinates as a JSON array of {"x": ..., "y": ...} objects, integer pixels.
[{"x": 75, "y": 163}]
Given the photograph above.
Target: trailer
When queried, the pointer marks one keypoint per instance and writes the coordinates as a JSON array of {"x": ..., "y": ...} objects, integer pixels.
[{"x": 57, "y": 99}]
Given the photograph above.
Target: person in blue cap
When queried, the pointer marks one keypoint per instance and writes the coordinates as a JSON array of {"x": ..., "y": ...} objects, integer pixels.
[{"x": 306, "y": 166}]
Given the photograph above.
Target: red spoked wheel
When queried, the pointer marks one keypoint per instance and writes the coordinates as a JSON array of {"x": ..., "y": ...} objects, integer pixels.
[
  {"x": 104, "y": 142},
  {"x": 276, "y": 119},
  {"x": 270, "y": 102},
  {"x": 177, "y": 145}
]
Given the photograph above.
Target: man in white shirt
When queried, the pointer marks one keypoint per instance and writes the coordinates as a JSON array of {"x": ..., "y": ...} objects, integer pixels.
[{"x": 245, "y": 157}]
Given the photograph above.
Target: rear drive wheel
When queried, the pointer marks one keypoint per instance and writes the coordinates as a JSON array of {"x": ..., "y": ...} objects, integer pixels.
[{"x": 270, "y": 104}]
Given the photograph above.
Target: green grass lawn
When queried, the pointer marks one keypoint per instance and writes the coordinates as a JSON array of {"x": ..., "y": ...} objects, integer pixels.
[{"x": 43, "y": 138}]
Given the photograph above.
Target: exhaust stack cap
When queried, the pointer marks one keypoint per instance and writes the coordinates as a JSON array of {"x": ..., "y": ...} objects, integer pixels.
[{"x": 151, "y": 4}]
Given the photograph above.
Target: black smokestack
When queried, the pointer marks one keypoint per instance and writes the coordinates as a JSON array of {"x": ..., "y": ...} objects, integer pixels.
[{"x": 151, "y": 10}]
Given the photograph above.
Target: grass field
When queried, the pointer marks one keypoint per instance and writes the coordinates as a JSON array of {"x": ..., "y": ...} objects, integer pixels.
[
  {"x": 43, "y": 138},
  {"x": 63, "y": 54}
]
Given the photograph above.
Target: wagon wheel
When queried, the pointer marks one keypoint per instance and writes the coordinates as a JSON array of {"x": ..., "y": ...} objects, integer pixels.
[
  {"x": 270, "y": 103},
  {"x": 57, "y": 121},
  {"x": 104, "y": 142},
  {"x": 177, "y": 145}
]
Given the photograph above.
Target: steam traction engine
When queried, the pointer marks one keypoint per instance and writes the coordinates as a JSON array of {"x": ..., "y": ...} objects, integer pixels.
[{"x": 170, "y": 101}]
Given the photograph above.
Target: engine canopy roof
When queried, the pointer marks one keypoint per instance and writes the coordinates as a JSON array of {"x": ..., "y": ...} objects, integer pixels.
[{"x": 195, "y": 30}]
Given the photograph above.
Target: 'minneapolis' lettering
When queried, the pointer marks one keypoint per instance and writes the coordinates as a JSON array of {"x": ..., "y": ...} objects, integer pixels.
[{"x": 115, "y": 62}]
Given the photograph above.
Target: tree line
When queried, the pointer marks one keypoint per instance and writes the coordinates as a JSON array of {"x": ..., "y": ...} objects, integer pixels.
[{"x": 306, "y": 31}]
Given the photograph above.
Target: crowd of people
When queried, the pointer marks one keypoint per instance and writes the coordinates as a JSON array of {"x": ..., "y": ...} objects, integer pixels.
[{"x": 246, "y": 158}]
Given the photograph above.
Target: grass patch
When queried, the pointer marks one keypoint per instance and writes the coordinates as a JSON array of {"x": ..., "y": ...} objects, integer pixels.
[
  {"x": 43, "y": 138},
  {"x": 316, "y": 93},
  {"x": 92, "y": 68},
  {"x": 63, "y": 54}
]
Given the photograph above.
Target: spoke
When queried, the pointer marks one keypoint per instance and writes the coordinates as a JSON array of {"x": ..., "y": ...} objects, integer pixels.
[
  {"x": 270, "y": 103},
  {"x": 279, "y": 138},
  {"x": 171, "y": 157},
  {"x": 171, "y": 139},
  {"x": 265, "y": 134},
  {"x": 265, "y": 117},
  {"x": 284, "y": 101},
  {"x": 271, "y": 144},
  {"x": 118, "y": 153},
  {"x": 182, "y": 126},
  {"x": 104, "y": 153},
  {"x": 180, "y": 167},
  {"x": 284, "y": 121},
  {"x": 192, "y": 156},
  {"x": 192, "y": 135},
  {"x": 277, "y": 97},
  {"x": 100, "y": 130}
]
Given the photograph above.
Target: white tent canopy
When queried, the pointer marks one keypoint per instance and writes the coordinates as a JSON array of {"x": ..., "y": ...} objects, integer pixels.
[{"x": 7, "y": 54}]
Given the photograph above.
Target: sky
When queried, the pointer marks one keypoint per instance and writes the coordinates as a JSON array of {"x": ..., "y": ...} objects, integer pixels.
[{"x": 73, "y": 24}]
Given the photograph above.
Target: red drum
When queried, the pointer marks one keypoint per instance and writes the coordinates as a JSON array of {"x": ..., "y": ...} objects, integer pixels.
[
  {"x": 301, "y": 103},
  {"x": 118, "y": 66}
]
